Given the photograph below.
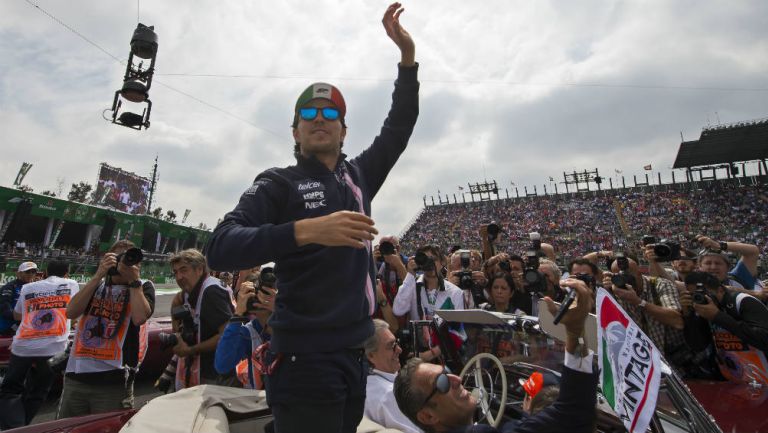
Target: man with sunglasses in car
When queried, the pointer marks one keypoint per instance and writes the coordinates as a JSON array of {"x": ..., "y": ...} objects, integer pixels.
[
  {"x": 383, "y": 352},
  {"x": 436, "y": 401},
  {"x": 313, "y": 221}
]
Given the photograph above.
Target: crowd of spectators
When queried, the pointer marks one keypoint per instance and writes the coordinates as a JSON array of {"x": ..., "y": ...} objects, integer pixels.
[{"x": 579, "y": 222}]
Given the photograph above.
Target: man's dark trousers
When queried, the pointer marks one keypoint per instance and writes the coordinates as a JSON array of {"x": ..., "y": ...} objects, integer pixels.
[
  {"x": 321, "y": 392},
  {"x": 24, "y": 389}
]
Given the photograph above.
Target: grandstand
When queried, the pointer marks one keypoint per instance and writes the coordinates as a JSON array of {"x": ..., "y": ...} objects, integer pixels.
[
  {"x": 733, "y": 208},
  {"x": 577, "y": 223},
  {"x": 38, "y": 227}
]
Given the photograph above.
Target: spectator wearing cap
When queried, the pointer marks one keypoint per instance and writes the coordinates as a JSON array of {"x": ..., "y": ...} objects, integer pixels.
[
  {"x": 9, "y": 295},
  {"x": 313, "y": 221},
  {"x": 541, "y": 390},
  {"x": 43, "y": 333},
  {"x": 743, "y": 276}
]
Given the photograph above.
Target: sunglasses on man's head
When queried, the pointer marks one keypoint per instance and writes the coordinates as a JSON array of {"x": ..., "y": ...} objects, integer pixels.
[
  {"x": 309, "y": 113},
  {"x": 442, "y": 384}
]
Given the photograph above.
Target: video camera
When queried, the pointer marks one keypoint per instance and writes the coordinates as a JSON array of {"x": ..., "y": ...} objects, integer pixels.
[
  {"x": 267, "y": 278},
  {"x": 187, "y": 328},
  {"x": 623, "y": 278},
  {"x": 665, "y": 250},
  {"x": 132, "y": 256},
  {"x": 535, "y": 281},
  {"x": 493, "y": 231}
]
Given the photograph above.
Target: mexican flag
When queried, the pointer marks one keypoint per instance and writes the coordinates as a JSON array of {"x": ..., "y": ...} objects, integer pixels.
[{"x": 630, "y": 365}]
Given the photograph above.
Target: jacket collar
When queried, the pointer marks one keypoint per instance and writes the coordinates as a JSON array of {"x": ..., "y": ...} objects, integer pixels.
[{"x": 312, "y": 165}]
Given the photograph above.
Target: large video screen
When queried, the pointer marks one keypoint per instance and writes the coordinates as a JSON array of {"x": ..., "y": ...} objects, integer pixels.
[{"x": 121, "y": 190}]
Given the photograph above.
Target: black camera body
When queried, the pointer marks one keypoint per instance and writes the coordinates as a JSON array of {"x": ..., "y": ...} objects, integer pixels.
[
  {"x": 535, "y": 282},
  {"x": 493, "y": 231},
  {"x": 666, "y": 250},
  {"x": 187, "y": 328},
  {"x": 623, "y": 278},
  {"x": 386, "y": 248},
  {"x": 424, "y": 263},
  {"x": 132, "y": 256},
  {"x": 700, "y": 295},
  {"x": 267, "y": 278}
]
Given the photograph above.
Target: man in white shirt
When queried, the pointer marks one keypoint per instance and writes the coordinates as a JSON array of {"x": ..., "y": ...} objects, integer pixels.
[
  {"x": 383, "y": 353},
  {"x": 43, "y": 332}
]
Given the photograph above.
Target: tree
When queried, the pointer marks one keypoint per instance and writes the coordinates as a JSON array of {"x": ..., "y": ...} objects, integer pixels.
[
  {"x": 157, "y": 213},
  {"x": 170, "y": 216},
  {"x": 25, "y": 188},
  {"x": 79, "y": 192},
  {"x": 202, "y": 226},
  {"x": 49, "y": 193}
]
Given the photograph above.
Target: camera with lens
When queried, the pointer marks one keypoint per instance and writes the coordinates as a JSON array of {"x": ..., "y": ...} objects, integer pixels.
[
  {"x": 665, "y": 250},
  {"x": 535, "y": 282},
  {"x": 700, "y": 295},
  {"x": 183, "y": 315},
  {"x": 465, "y": 275},
  {"x": 424, "y": 263},
  {"x": 132, "y": 256},
  {"x": 386, "y": 248},
  {"x": 589, "y": 280},
  {"x": 623, "y": 278},
  {"x": 266, "y": 279}
]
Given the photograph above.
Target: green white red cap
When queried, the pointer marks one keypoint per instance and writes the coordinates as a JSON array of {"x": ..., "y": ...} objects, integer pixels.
[{"x": 322, "y": 91}]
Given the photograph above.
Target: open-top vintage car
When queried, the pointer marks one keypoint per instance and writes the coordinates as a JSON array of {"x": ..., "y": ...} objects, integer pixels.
[{"x": 494, "y": 344}]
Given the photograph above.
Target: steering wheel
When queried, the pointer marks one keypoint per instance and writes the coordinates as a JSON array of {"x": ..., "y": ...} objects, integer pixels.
[{"x": 482, "y": 378}]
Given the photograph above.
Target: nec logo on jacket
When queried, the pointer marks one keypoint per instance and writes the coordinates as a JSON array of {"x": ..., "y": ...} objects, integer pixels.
[{"x": 312, "y": 192}]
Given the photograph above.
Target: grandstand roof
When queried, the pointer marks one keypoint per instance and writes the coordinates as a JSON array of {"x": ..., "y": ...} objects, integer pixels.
[{"x": 743, "y": 141}]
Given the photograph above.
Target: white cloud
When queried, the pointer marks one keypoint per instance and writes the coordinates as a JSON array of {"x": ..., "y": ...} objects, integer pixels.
[{"x": 507, "y": 89}]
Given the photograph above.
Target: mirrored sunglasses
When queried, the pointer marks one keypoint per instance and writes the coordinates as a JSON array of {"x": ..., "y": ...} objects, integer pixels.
[
  {"x": 309, "y": 113},
  {"x": 442, "y": 384}
]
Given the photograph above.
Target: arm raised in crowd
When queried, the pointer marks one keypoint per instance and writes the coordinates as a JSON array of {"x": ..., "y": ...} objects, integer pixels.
[{"x": 749, "y": 253}]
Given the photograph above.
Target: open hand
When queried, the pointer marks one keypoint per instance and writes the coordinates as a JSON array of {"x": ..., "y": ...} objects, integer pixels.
[{"x": 398, "y": 34}]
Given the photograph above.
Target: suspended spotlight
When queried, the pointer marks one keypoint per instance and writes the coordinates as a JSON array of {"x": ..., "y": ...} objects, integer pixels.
[{"x": 137, "y": 79}]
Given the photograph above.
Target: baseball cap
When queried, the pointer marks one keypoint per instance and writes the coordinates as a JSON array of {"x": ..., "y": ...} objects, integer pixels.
[
  {"x": 722, "y": 255},
  {"x": 536, "y": 382},
  {"x": 26, "y": 266},
  {"x": 321, "y": 91}
]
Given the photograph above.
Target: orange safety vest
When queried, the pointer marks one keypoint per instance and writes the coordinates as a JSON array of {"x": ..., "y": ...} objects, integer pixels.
[
  {"x": 251, "y": 377},
  {"x": 737, "y": 360},
  {"x": 44, "y": 316},
  {"x": 101, "y": 332}
]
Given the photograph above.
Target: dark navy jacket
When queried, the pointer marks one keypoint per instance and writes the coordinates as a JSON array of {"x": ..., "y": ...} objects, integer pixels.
[
  {"x": 9, "y": 294},
  {"x": 572, "y": 412},
  {"x": 321, "y": 305}
]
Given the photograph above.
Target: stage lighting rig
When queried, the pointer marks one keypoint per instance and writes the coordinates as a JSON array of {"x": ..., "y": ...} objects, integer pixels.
[{"x": 137, "y": 79}]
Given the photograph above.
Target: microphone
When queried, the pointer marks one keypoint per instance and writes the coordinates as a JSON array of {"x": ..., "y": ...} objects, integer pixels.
[{"x": 564, "y": 306}]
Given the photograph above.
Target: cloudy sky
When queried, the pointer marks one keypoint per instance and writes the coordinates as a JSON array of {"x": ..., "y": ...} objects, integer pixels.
[{"x": 512, "y": 91}]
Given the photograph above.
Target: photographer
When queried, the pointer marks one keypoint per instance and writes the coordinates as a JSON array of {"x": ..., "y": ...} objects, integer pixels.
[
  {"x": 43, "y": 333},
  {"x": 464, "y": 271},
  {"x": 653, "y": 303},
  {"x": 208, "y": 308},
  {"x": 714, "y": 260},
  {"x": 420, "y": 296},
  {"x": 241, "y": 338},
  {"x": 682, "y": 265},
  {"x": 391, "y": 273},
  {"x": 9, "y": 295},
  {"x": 112, "y": 307},
  {"x": 729, "y": 327}
]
